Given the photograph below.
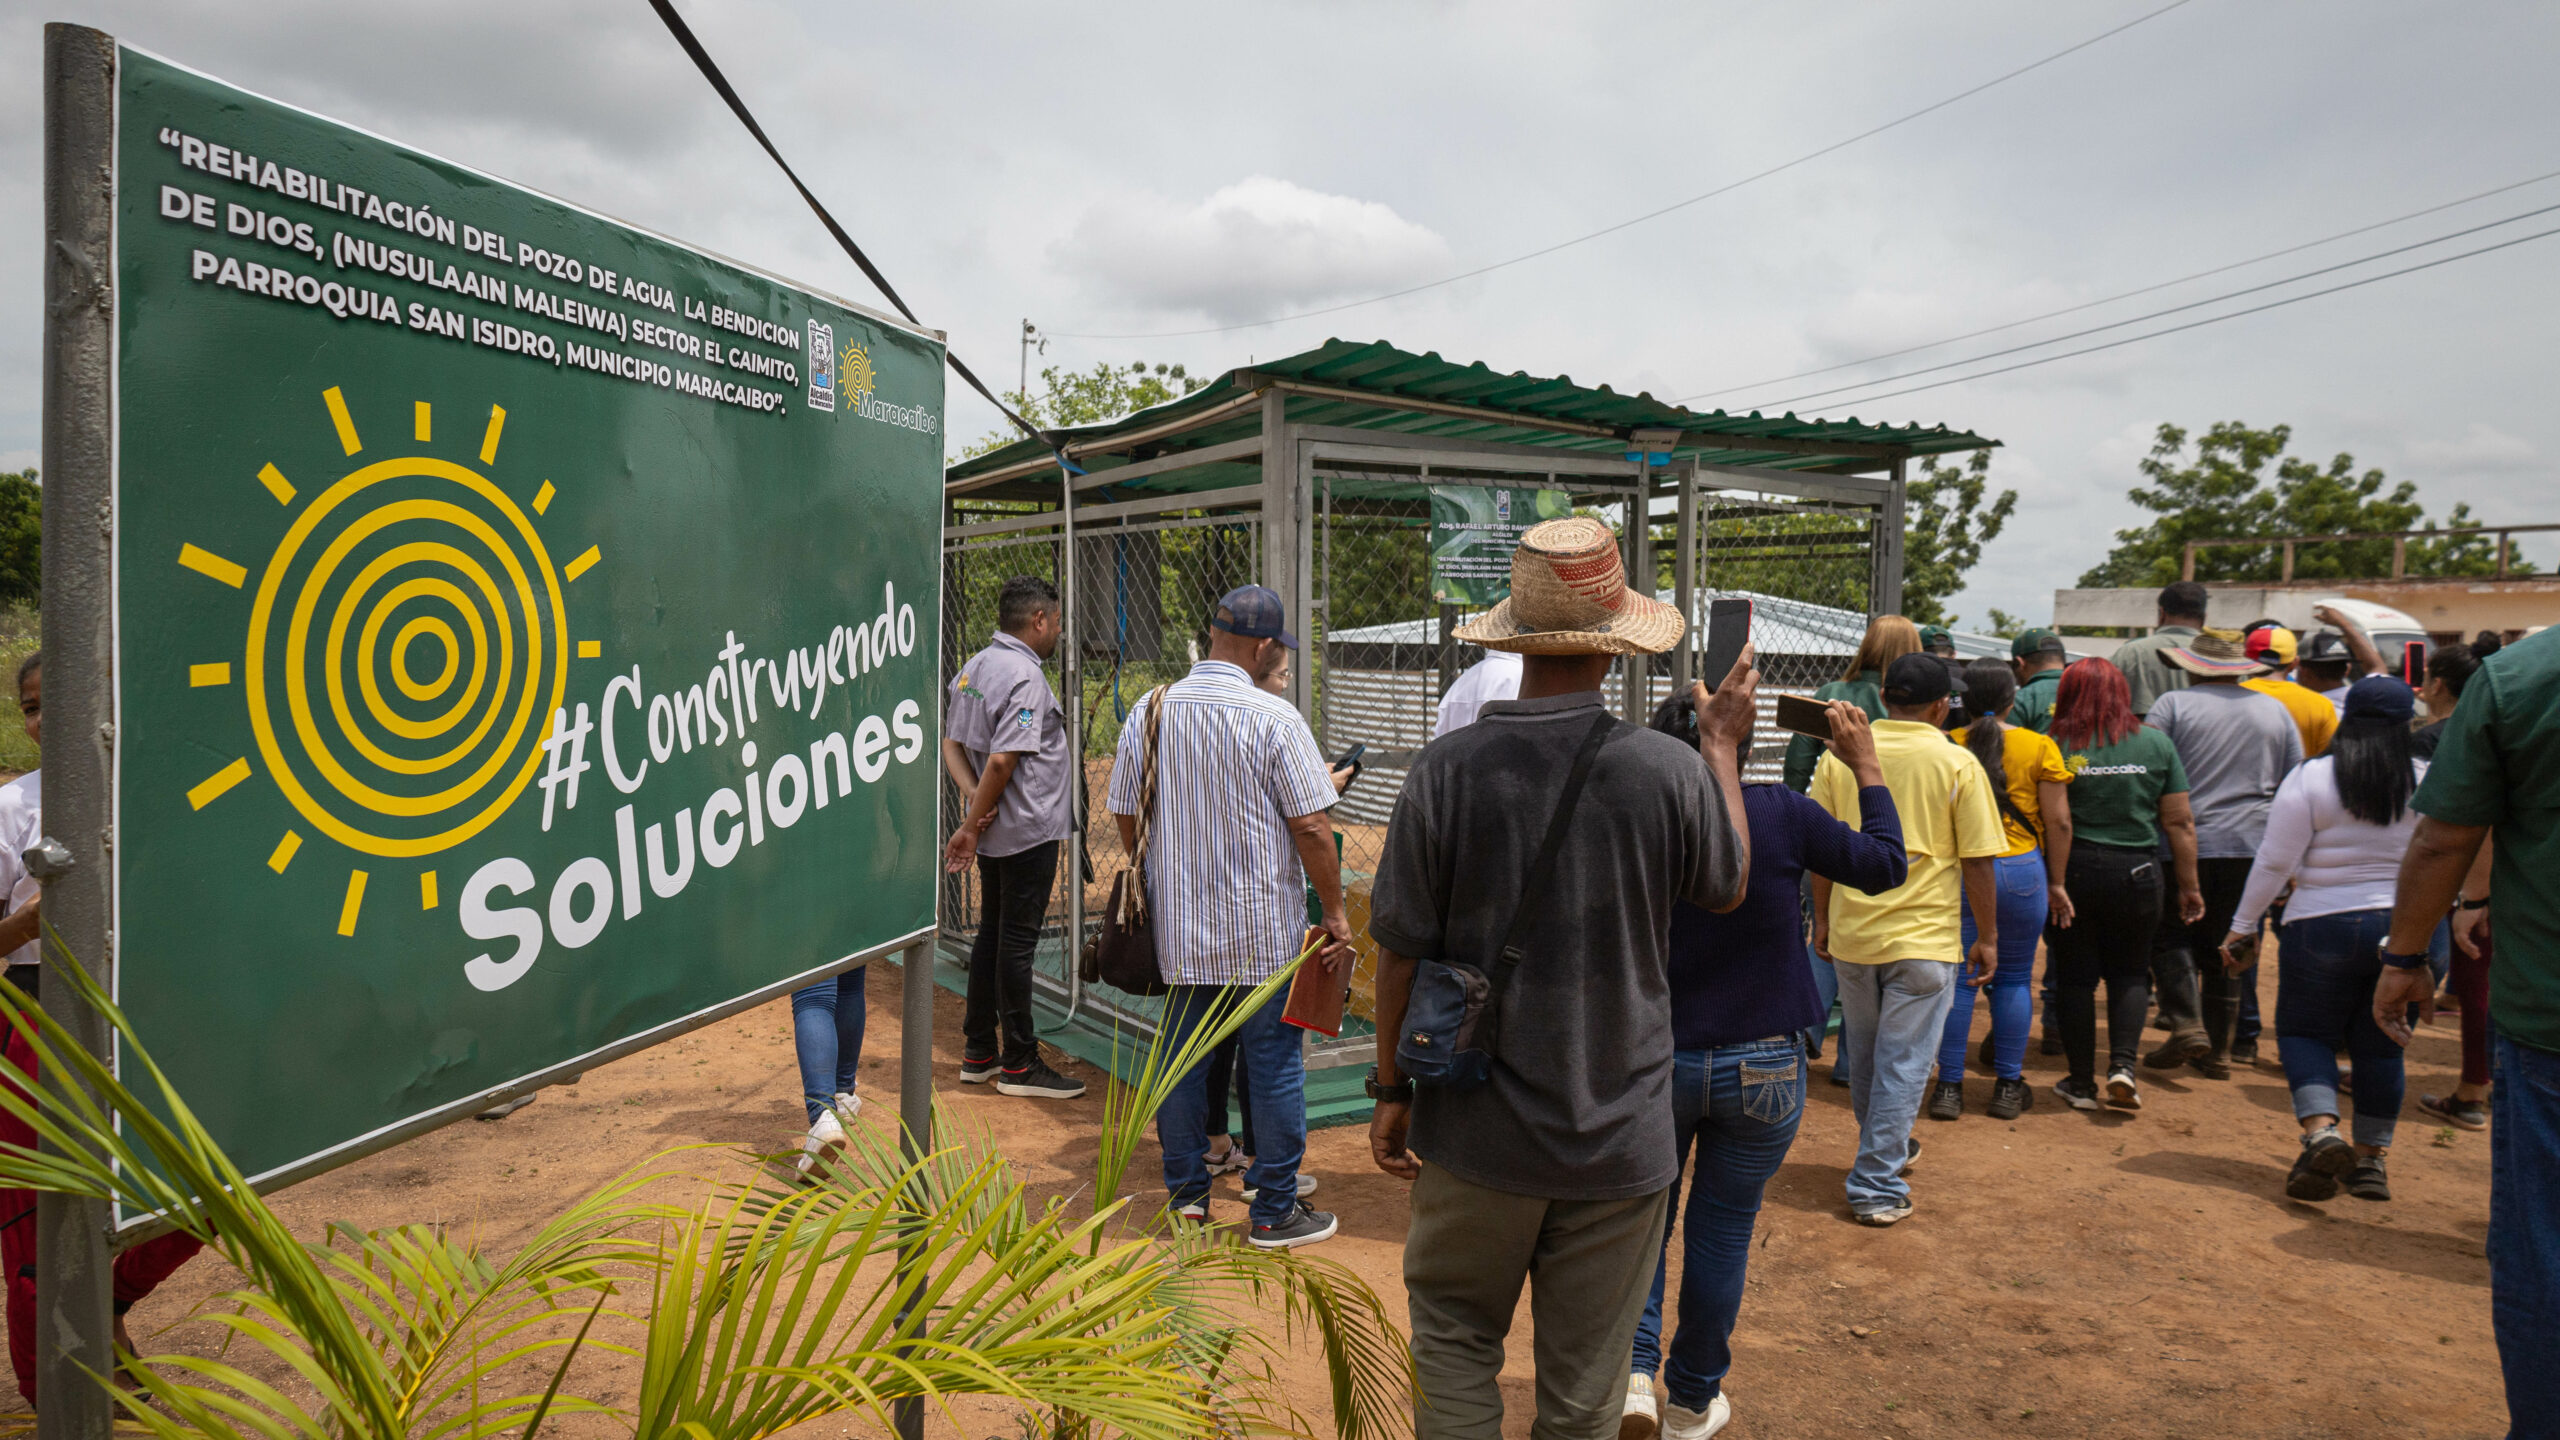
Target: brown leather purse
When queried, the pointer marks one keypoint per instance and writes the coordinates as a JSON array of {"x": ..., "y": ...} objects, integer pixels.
[{"x": 1122, "y": 952}]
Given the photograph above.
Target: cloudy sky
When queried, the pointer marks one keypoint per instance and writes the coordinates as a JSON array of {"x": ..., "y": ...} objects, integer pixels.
[{"x": 1111, "y": 170}]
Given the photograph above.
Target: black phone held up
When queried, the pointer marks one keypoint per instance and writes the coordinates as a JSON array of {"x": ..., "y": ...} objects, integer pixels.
[
  {"x": 1728, "y": 630},
  {"x": 1804, "y": 716}
]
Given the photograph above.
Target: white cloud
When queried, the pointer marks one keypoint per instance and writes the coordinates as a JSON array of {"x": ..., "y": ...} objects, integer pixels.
[
  {"x": 1254, "y": 246},
  {"x": 2482, "y": 447}
]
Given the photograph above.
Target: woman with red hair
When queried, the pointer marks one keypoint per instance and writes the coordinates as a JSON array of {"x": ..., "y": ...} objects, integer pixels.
[{"x": 2128, "y": 793}]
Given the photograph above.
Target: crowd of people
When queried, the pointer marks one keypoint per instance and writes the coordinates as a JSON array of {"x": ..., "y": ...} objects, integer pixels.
[{"x": 1606, "y": 962}]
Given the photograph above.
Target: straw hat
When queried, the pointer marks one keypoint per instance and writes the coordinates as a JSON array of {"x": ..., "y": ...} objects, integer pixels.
[
  {"x": 2214, "y": 654},
  {"x": 1569, "y": 596}
]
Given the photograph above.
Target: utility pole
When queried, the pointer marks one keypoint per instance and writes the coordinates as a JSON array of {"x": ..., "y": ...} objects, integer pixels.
[{"x": 1032, "y": 340}]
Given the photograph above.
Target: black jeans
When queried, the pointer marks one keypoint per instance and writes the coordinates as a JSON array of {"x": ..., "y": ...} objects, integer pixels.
[
  {"x": 1013, "y": 901},
  {"x": 2115, "y": 903},
  {"x": 2197, "y": 996}
]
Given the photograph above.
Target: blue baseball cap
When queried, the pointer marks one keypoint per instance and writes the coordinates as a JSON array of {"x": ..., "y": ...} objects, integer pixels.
[
  {"x": 2381, "y": 697},
  {"x": 1254, "y": 612}
]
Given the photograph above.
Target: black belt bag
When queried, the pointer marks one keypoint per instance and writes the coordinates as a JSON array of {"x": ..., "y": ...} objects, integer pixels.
[{"x": 1453, "y": 1016}]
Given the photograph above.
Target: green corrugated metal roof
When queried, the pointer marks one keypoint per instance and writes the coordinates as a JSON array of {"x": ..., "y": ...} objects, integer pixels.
[{"x": 1517, "y": 408}]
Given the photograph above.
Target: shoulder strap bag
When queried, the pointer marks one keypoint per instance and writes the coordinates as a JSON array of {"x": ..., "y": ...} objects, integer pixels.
[
  {"x": 1452, "y": 1020},
  {"x": 1122, "y": 952}
]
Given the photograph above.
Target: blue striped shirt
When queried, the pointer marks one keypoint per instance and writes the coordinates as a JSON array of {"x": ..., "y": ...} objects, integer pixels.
[{"x": 1233, "y": 765}]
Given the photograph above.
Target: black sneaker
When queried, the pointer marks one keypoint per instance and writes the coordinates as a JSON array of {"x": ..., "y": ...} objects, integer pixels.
[
  {"x": 2077, "y": 1093},
  {"x": 1038, "y": 1081},
  {"x": 2010, "y": 1098},
  {"x": 2369, "y": 1180},
  {"x": 2244, "y": 1052},
  {"x": 1301, "y": 1226},
  {"x": 2179, "y": 1050},
  {"x": 978, "y": 1072},
  {"x": 1946, "y": 1100},
  {"x": 1911, "y": 1158},
  {"x": 2324, "y": 1158},
  {"x": 2122, "y": 1092}
]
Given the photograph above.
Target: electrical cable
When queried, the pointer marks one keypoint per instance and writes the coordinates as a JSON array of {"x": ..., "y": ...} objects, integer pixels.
[
  {"x": 2157, "y": 314},
  {"x": 702, "y": 61},
  {"x": 1676, "y": 205},
  {"x": 2211, "y": 319},
  {"x": 2119, "y": 295}
]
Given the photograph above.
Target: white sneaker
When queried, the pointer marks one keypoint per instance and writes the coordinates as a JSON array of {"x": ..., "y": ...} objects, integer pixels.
[
  {"x": 827, "y": 1134},
  {"x": 848, "y": 1104},
  {"x": 1681, "y": 1423},
  {"x": 1306, "y": 1187},
  {"x": 1639, "y": 1420}
]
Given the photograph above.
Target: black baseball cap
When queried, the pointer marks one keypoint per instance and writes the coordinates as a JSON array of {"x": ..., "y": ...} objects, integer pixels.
[
  {"x": 2323, "y": 647},
  {"x": 1918, "y": 678},
  {"x": 1254, "y": 612}
]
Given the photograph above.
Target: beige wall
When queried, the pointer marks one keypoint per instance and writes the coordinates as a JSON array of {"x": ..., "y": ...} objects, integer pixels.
[{"x": 2442, "y": 606}]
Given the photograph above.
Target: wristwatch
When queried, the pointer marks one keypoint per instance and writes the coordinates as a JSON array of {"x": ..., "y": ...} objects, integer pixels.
[
  {"x": 2480, "y": 904},
  {"x": 1401, "y": 1093},
  {"x": 2400, "y": 962}
]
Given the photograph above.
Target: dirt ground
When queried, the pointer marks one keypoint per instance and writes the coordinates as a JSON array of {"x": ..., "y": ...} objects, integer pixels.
[{"x": 2065, "y": 1275}]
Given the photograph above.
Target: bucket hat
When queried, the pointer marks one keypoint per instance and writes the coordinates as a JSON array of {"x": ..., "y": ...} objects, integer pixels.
[
  {"x": 1569, "y": 596},
  {"x": 2214, "y": 654}
]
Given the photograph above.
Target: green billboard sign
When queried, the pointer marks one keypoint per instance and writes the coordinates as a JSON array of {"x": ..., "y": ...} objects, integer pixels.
[
  {"x": 525, "y": 626},
  {"x": 1474, "y": 529}
]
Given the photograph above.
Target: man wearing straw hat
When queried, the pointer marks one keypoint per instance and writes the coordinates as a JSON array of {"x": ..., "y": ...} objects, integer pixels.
[{"x": 1556, "y": 1166}]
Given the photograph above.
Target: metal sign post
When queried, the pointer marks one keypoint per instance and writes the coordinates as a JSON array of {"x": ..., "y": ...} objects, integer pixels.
[{"x": 75, "y": 1322}]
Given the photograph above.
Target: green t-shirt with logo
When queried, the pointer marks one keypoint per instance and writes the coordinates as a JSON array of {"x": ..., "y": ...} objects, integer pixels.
[
  {"x": 2033, "y": 709},
  {"x": 2499, "y": 765},
  {"x": 2116, "y": 789}
]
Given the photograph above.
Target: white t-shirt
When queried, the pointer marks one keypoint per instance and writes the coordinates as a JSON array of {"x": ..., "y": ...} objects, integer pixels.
[
  {"x": 1495, "y": 677},
  {"x": 2336, "y": 862},
  {"x": 21, "y": 826}
]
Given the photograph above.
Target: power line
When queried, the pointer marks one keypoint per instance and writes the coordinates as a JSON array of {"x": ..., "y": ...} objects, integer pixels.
[
  {"x": 2156, "y": 314},
  {"x": 2212, "y": 319},
  {"x": 1676, "y": 205},
  {"x": 2121, "y": 294}
]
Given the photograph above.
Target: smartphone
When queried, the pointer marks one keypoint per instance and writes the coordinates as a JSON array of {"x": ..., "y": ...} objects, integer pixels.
[
  {"x": 2413, "y": 663},
  {"x": 1728, "y": 630},
  {"x": 1351, "y": 757},
  {"x": 1804, "y": 716}
]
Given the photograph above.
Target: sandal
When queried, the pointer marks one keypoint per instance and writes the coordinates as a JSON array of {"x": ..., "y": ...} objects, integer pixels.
[
  {"x": 2452, "y": 1110},
  {"x": 1230, "y": 1161}
]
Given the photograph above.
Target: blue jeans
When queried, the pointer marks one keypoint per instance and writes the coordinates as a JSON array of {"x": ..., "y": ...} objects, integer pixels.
[
  {"x": 1275, "y": 1085},
  {"x": 2524, "y": 1228},
  {"x": 1741, "y": 1103},
  {"x": 2023, "y": 903},
  {"x": 2326, "y": 967},
  {"x": 826, "y": 1033},
  {"x": 1891, "y": 1016},
  {"x": 1826, "y": 986}
]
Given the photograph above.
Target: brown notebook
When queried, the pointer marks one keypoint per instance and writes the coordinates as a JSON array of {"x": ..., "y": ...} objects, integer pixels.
[{"x": 1317, "y": 995}]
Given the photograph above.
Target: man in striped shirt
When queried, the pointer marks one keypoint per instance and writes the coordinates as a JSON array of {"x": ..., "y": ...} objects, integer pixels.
[{"x": 1237, "y": 832}]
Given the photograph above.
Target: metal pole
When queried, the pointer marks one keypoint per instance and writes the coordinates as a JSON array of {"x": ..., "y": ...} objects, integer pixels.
[
  {"x": 75, "y": 1325},
  {"x": 1071, "y": 678},
  {"x": 1886, "y": 596},
  {"x": 1684, "y": 579},
  {"x": 915, "y": 1120}
]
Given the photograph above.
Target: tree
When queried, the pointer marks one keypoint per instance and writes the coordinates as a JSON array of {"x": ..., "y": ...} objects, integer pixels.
[
  {"x": 1089, "y": 397},
  {"x": 2222, "y": 494},
  {"x": 2007, "y": 626},
  {"x": 21, "y": 538},
  {"x": 1947, "y": 526}
]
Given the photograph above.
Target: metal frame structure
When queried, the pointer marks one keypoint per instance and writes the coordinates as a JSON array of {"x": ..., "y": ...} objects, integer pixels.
[{"x": 1196, "y": 478}]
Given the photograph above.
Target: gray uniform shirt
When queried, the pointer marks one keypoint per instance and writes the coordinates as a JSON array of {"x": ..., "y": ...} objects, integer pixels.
[
  {"x": 1579, "y": 1104},
  {"x": 1000, "y": 702},
  {"x": 2236, "y": 745},
  {"x": 2146, "y": 674}
]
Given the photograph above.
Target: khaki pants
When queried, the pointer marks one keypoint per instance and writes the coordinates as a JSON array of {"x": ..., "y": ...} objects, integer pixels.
[{"x": 1465, "y": 1258}]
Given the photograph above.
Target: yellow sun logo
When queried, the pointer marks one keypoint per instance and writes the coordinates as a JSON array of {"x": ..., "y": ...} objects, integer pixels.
[
  {"x": 424, "y": 572},
  {"x": 857, "y": 375}
]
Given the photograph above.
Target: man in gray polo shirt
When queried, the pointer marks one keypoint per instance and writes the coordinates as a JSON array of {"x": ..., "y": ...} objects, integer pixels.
[
  {"x": 1554, "y": 1172},
  {"x": 2147, "y": 671},
  {"x": 1007, "y": 751}
]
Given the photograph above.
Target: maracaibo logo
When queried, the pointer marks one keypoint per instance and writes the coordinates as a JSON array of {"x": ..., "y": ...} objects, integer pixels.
[{"x": 860, "y": 380}]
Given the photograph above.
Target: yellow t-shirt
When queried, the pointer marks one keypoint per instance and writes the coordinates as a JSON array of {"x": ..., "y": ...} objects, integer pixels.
[
  {"x": 1948, "y": 816},
  {"x": 2313, "y": 715},
  {"x": 2027, "y": 757}
]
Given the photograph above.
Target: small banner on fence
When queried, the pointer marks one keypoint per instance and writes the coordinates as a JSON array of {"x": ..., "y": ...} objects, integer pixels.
[
  {"x": 526, "y": 625},
  {"x": 1474, "y": 529}
]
